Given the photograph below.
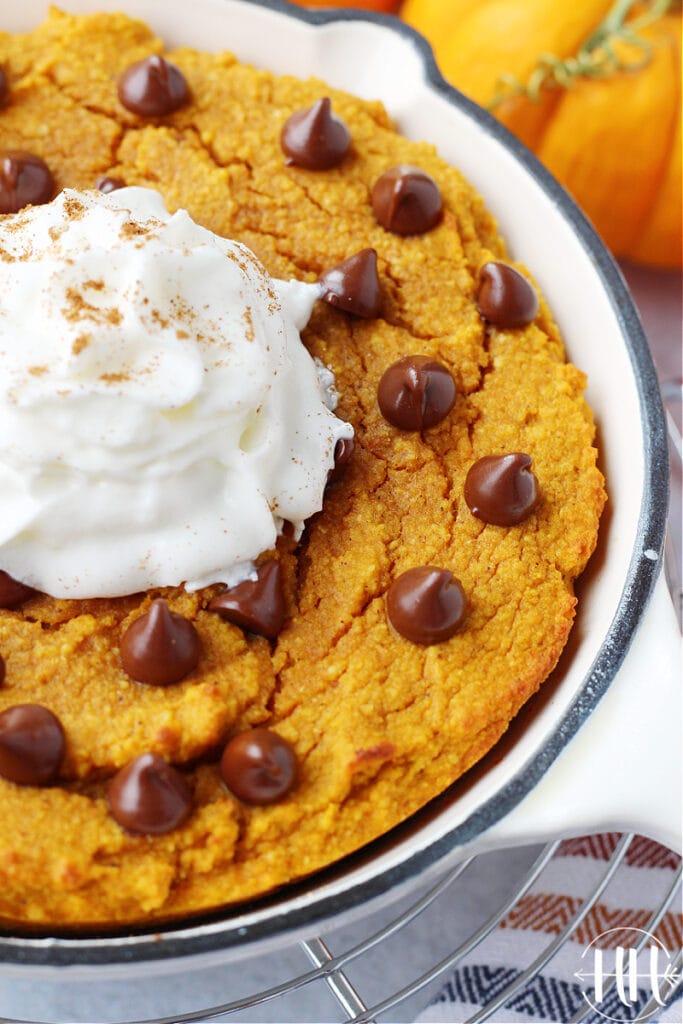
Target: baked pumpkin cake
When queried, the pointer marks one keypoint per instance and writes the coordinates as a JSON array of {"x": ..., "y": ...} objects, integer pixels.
[{"x": 176, "y": 733}]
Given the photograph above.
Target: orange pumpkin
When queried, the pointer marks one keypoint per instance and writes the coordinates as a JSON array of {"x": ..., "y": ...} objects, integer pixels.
[
  {"x": 387, "y": 6},
  {"x": 611, "y": 135}
]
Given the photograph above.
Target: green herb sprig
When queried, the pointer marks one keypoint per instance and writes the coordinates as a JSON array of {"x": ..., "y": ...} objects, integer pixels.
[{"x": 596, "y": 58}]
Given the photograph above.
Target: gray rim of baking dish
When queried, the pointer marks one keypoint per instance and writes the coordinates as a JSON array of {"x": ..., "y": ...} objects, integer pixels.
[{"x": 217, "y": 931}]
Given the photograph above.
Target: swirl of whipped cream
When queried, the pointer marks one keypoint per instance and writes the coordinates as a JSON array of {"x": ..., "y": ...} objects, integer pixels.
[{"x": 160, "y": 416}]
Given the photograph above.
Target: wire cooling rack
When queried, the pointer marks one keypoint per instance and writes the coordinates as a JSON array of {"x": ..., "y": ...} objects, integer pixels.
[{"x": 334, "y": 970}]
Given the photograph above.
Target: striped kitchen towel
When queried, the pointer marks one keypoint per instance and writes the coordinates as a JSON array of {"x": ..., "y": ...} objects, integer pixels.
[{"x": 610, "y": 968}]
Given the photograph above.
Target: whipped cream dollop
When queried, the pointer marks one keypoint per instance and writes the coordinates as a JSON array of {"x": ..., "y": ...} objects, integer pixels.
[{"x": 160, "y": 416}]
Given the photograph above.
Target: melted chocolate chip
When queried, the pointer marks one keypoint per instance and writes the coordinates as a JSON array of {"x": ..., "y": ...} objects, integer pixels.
[
  {"x": 426, "y": 605},
  {"x": 12, "y": 592},
  {"x": 353, "y": 285},
  {"x": 24, "y": 179},
  {"x": 31, "y": 745},
  {"x": 501, "y": 489},
  {"x": 505, "y": 298},
  {"x": 416, "y": 393},
  {"x": 160, "y": 647},
  {"x": 107, "y": 184},
  {"x": 149, "y": 796},
  {"x": 153, "y": 87},
  {"x": 343, "y": 450},
  {"x": 406, "y": 200},
  {"x": 4, "y": 86},
  {"x": 259, "y": 766},
  {"x": 255, "y": 605},
  {"x": 315, "y": 138}
]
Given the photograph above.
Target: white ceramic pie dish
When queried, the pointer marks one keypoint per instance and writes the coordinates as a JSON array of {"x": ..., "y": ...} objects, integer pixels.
[{"x": 601, "y": 749}]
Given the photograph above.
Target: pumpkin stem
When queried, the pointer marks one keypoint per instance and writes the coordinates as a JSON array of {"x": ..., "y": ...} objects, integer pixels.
[{"x": 596, "y": 57}]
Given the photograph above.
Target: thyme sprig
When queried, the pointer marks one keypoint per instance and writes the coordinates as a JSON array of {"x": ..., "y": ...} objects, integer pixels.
[{"x": 596, "y": 58}]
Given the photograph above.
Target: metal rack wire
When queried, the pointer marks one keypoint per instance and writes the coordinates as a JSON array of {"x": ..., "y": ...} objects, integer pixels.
[{"x": 330, "y": 968}]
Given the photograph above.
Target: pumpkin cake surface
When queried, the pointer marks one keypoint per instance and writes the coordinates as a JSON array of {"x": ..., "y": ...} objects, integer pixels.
[{"x": 379, "y": 724}]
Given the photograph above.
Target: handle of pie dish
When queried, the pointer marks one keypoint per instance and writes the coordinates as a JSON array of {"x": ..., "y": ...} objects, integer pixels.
[{"x": 622, "y": 770}]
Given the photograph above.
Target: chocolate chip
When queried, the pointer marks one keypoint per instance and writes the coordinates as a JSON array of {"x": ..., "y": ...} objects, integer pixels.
[
  {"x": 4, "y": 86},
  {"x": 406, "y": 200},
  {"x": 416, "y": 393},
  {"x": 353, "y": 285},
  {"x": 12, "y": 592},
  {"x": 343, "y": 450},
  {"x": 31, "y": 745},
  {"x": 107, "y": 184},
  {"x": 153, "y": 87},
  {"x": 24, "y": 179},
  {"x": 501, "y": 489},
  {"x": 259, "y": 766},
  {"x": 149, "y": 796},
  {"x": 315, "y": 138},
  {"x": 160, "y": 647},
  {"x": 255, "y": 605},
  {"x": 426, "y": 605},
  {"x": 505, "y": 298}
]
